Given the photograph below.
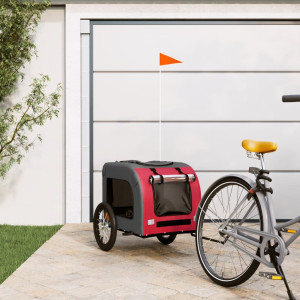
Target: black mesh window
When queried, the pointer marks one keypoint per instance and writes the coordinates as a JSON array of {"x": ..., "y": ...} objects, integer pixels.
[
  {"x": 120, "y": 197},
  {"x": 172, "y": 198}
]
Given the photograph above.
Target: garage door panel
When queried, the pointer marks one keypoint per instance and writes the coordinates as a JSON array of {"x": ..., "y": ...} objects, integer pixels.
[
  {"x": 126, "y": 96},
  {"x": 190, "y": 96},
  {"x": 217, "y": 146},
  {"x": 123, "y": 141},
  {"x": 200, "y": 47},
  {"x": 227, "y": 89},
  {"x": 194, "y": 96}
]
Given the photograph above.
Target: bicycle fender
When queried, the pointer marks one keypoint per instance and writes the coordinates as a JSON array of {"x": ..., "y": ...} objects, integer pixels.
[{"x": 260, "y": 196}]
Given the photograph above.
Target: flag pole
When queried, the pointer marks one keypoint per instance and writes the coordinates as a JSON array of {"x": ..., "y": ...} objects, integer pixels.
[
  {"x": 163, "y": 60},
  {"x": 160, "y": 108}
]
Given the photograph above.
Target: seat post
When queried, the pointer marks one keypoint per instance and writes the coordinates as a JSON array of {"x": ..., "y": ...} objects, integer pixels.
[{"x": 262, "y": 160}]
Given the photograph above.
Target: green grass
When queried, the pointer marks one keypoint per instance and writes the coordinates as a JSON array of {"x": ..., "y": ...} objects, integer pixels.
[{"x": 17, "y": 243}]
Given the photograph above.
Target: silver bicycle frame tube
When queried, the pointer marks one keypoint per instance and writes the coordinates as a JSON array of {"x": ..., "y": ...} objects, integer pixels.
[
  {"x": 273, "y": 227},
  {"x": 270, "y": 228},
  {"x": 269, "y": 201},
  {"x": 236, "y": 234}
]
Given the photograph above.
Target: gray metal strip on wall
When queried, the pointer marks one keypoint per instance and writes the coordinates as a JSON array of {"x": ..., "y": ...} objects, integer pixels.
[{"x": 91, "y": 187}]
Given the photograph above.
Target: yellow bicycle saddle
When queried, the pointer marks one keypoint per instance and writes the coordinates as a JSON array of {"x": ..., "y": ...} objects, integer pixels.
[{"x": 259, "y": 147}]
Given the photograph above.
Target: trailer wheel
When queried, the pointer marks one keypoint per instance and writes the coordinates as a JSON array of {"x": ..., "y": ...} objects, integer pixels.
[
  {"x": 166, "y": 239},
  {"x": 105, "y": 226}
]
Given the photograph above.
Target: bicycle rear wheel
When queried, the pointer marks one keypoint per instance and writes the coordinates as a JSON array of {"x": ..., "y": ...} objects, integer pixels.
[{"x": 224, "y": 263}]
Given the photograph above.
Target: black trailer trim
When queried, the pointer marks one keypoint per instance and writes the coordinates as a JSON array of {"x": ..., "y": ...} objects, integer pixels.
[
  {"x": 128, "y": 233},
  {"x": 173, "y": 223}
]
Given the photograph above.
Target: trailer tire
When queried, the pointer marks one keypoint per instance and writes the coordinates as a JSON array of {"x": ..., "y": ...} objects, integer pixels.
[
  {"x": 105, "y": 223},
  {"x": 166, "y": 239}
]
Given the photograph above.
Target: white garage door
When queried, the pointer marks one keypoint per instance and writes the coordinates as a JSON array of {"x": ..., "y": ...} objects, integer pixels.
[{"x": 228, "y": 88}]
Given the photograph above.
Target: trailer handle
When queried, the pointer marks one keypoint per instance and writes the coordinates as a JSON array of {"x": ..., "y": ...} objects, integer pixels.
[{"x": 172, "y": 178}]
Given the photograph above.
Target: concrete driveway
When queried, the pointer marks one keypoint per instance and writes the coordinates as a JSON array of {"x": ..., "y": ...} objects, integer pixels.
[{"x": 71, "y": 266}]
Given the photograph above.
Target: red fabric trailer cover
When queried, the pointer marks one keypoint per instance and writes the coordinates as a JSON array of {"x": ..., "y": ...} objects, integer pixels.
[{"x": 151, "y": 222}]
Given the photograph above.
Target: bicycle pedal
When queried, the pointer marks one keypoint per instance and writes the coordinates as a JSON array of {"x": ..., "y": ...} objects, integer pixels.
[
  {"x": 288, "y": 230},
  {"x": 270, "y": 275}
]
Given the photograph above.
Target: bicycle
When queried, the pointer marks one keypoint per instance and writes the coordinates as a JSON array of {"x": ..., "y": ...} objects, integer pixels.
[{"x": 236, "y": 226}]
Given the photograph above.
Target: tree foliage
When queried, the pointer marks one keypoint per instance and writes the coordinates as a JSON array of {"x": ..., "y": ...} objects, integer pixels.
[
  {"x": 16, "y": 121},
  {"x": 18, "y": 22}
]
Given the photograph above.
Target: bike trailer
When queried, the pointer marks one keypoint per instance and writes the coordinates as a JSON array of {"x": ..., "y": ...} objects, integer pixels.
[{"x": 152, "y": 198}]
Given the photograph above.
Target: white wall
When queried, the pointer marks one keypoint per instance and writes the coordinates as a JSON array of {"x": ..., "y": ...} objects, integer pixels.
[{"x": 33, "y": 192}]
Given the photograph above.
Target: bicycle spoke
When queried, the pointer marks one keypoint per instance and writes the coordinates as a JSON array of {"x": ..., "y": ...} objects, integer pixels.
[
  {"x": 221, "y": 203},
  {"x": 241, "y": 257},
  {"x": 213, "y": 221},
  {"x": 236, "y": 273},
  {"x": 216, "y": 215},
  {"x": 228, "y": 204}
]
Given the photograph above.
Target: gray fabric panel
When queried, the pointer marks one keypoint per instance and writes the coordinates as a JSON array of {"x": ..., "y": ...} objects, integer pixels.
[{"x": 124, "y": 172}]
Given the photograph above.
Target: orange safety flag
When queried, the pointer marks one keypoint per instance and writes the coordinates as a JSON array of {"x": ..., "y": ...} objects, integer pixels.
[{"x": 167, "y": 60}]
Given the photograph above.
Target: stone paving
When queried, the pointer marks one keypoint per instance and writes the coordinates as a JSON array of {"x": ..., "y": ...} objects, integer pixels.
[{"x": 71, "y": 266}]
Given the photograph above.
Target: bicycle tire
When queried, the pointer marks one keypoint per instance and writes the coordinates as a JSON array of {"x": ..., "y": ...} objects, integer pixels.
[{"x": 211, "y": 197}]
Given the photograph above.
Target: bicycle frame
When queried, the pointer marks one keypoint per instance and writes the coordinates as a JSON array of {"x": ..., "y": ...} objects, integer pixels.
[{"x": 270, "y": 231}]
